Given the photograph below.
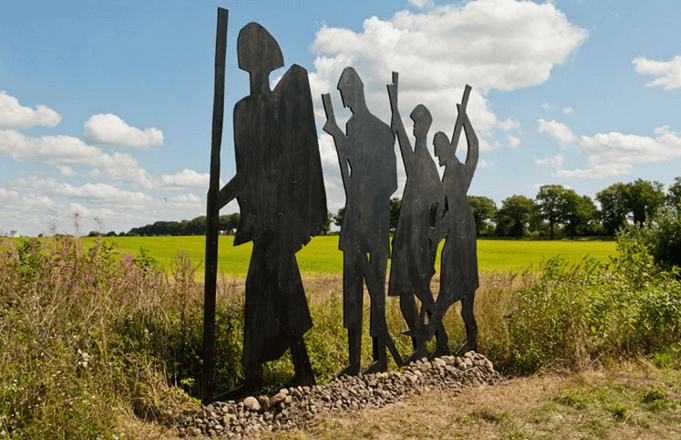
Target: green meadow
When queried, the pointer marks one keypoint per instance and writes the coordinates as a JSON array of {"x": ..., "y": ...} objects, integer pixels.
[{"x": 322, "y": 255}]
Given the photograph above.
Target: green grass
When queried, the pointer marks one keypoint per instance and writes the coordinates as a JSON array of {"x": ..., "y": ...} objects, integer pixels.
[{"x": 322, "y": 255}]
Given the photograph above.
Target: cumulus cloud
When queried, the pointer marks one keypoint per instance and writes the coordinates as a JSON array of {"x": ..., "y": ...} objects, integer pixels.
[
  {"x": 567, "y": 111},
  {"x": 508, "y": 124},
  {"x": 15, "y": 116},
  {"x": 422, "y": 4},
  {"x": 100, "y": 192},
  {"x": 669, "y": 72},
  {"x": 23, "y": 213},
  {"x": 111, "y": 131},
  {"x": 557, "y": 130},
  {"x": 68, "y": 151},
  {"x": 66, "y": 170},
  {"x": 489, "y": 44},
  {"x": 513, "y": 141},
  {"x": 555, "y": 162},
  {"x": 613, "y": 154},
  {"x": 186, "y": 178}
]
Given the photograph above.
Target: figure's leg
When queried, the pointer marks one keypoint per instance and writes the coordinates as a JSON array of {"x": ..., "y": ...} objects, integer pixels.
[
  {"x": 252, "y": 383},
  {"x": 353, "y": 292},
  {"x": 442, "y": 345},
  {"x": 253, "y": 371},
  {"x": 381, "y": 339},
  {"x": 303, "y": 368},
  {"x": 469, "y": 321},
  {"x": 416, "y": 326}
]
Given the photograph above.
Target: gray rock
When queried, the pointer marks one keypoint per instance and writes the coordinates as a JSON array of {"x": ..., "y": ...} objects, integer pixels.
[{"x": 252, "y": 403}]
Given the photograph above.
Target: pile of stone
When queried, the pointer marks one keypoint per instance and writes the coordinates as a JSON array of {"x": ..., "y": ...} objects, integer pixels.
[{"x": 299, "y": 407}]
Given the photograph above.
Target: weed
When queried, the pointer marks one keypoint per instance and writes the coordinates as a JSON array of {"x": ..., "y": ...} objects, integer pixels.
[{"x": 572, "y": 398}]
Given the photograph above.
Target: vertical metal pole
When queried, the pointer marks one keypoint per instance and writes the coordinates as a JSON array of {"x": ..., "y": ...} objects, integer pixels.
[{"x": 213, "y": 212}]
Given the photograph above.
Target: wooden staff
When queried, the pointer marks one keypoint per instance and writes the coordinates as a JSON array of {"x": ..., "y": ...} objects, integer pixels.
[{"x": 213, "y": 211}]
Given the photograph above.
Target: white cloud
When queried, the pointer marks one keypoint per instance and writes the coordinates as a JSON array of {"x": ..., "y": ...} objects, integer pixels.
[
  {"x": 489, "y": 44},
  {"x": 595, "y": 172},
  {"x": 23, "y": 213},
  {"x": 501, "y": 44},
  {"x": 67, "y": 151},
  {"x": 15, "y": 116},
  {"x": 546, "y": 106},
  {"x": 484, "y": 164},
  {"x": 567, "y": 111},
  {"x": 513, "y": 141},
  {"x": 614, "y": 153},
  {"x": 422, "y": 4},
  {"x": 555, "y": 162},
  {"x": 100, "y": 192},
  {"x": 669, "y": 72},
  {"x": 557, "y": 130},
  {"x": 66, "y": 170},
  {"x": 508, "y": 124},
  {"x": 184, "y": 199},
  {"x": 186, "y": 178},
  {"x": 111, "y": 131}
]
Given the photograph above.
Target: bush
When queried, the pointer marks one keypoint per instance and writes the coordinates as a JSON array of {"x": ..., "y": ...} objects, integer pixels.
[
  {"x": 661, "y": 234},
  {"x": 578, "y": 314},
  {"x": 87, "y": 337}
]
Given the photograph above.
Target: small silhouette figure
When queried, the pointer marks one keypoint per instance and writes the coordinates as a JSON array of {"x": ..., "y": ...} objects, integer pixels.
[
  {"x": 280, "y": 191},
  {"x": 413, "y": 254},
  {"x": 459, "y": 262},
  {"x": 367, "y": 161}
]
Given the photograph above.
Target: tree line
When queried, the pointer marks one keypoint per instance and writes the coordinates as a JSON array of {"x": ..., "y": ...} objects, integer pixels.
[
  {"x": 197, "y": 226},
  {"x": 555, "y": 211}
]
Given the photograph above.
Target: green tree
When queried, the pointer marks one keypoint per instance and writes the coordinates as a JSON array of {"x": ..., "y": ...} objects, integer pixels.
[
  {"x": 563, "y": 206},
  {"x": 515, "y": 215},
  {"x": 582, "y": 216},
  {"x": 326, "y": 227},
  {"x": 338, "y": 218},
  {"x": 614, "y": 209},
  {"x": 553, "y": 201},
  {"x": 643, "y": 198},
  {"x": 484, "y": 209},
  {"x": 673, "y": 197},
  {"x": 395, "y": 206}
]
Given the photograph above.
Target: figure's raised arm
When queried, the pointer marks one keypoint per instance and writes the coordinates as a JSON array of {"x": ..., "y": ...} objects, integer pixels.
[
  {"x": 331, "y": 126},
  {"x": 339, "y": 138},
  {"x": 397, "y": 125},
  {"x": 473, "y": 145}
]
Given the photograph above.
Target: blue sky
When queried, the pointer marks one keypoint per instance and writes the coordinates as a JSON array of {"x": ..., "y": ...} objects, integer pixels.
[{"x": 106, "y": 107}]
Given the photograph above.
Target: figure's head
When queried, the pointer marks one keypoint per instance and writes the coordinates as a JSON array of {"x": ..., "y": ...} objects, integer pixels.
[
  {"x": 257, "y": 50},
  {"x": 351, "y": 89},
  {"x": 422, "y": 120},
  {"x": 443, "y": 149}
]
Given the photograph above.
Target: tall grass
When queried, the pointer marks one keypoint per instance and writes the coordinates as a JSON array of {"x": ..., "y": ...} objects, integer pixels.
[
  {"x": 86, "y": 336},
  {"x": 579, "y": 314},
  {"x": 91, "y": 337}
]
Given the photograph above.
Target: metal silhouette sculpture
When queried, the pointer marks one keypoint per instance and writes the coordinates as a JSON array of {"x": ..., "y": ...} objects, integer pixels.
[
  {"x": 459, "y": 262},
  {"x": 367, "y": 160},
  {"x": 280, "y": 190},
  {"x": 413, "y": 253}
]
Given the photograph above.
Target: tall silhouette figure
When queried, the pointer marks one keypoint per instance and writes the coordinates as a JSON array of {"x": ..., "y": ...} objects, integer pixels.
[
  {"x": 459, "y": 263},
  {"x": 413, "y": 254},
  {"x": 280, "y": 191},
  {"x": 367, "y": 161}
]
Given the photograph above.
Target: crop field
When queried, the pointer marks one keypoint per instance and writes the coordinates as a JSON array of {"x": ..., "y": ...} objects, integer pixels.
[{"x": 322, "y": 255}]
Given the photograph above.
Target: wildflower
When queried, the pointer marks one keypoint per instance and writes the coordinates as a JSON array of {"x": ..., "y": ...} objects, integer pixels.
[{"x": 85, "y": 358}]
